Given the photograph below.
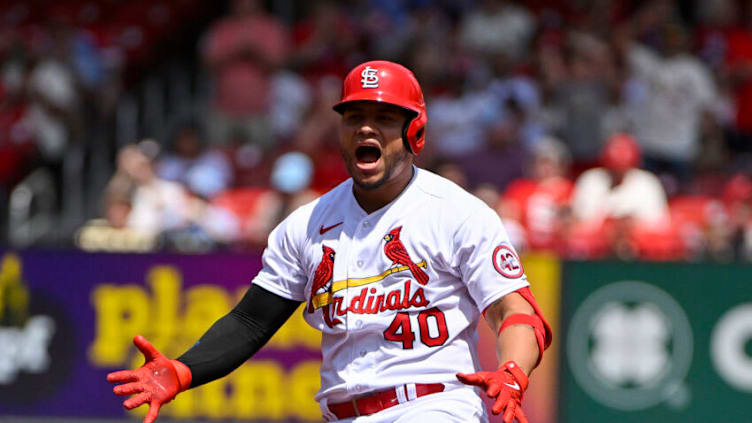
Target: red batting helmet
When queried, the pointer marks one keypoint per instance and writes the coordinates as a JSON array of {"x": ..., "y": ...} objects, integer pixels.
[{"x": 390, "y": 83}]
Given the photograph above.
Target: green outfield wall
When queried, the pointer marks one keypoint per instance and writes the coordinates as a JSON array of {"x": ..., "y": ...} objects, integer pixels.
[{"x": 656, "y": 342}]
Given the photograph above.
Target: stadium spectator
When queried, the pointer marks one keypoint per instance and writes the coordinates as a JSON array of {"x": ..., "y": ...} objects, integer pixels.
[
  {"x": 503, "y": 156},
  {"x": 157, "y": 205},
  {"x": 324, "y": 41},
  {"x": 112, "y": 231},
  {"x": 458, "y": 117},
  {"x": 388, "y": 25},
  {"x": 258, "y": 209},
  {"x": 165, "y": 209},
  {"x": 291, "y": 177},
  {"x": 677, "y": 92},
  {"x": 582, "y": 98},
  {"x": 291, "y": 97},
  {"x": 498, "y": 26},
  {"x": 76, "y": 47},
  {"x": 539, "y": 202},
  {"x": 249, "y": 163},
  {"x": 430, "y": 27},
  {"x": 619, "y": 188},
  {"x": 621, "y": 208},
  {"x": 55, "y": 107},
  {"x": 242, "y": 51},
  {"x": 511, "y": 87},
  {"x": 204, "y": 171}
]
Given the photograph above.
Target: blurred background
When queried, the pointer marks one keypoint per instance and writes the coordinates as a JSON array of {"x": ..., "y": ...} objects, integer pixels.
[{"x": 147, "y": 149}]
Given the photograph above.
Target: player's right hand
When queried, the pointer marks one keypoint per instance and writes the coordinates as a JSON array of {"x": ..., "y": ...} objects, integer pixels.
[
  {"x": 157, "y": 382},
  {"x": 506, "y": 385}
]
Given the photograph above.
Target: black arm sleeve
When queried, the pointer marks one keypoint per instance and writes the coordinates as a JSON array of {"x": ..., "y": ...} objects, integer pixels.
[{"x": 234, "y": 338}]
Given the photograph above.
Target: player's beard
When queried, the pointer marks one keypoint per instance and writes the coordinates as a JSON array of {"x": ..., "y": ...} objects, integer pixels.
[{"x": 391, "y": 162}]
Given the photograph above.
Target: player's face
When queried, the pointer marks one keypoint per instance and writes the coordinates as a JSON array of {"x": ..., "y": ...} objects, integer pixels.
[{"x": 371, "y": 143}]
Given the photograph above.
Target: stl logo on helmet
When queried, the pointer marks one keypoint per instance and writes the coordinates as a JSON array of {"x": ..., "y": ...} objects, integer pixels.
[
  {"x": 370, "y": 77},
  {"x": 506, "y": 262}
]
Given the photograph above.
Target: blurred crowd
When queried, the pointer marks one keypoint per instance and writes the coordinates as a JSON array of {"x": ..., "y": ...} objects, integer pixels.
[
  {"x": 595, "y": 128},
  {"x": 64, "y": 66}
]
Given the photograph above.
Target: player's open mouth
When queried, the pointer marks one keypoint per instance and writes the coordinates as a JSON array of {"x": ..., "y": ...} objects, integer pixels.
[{"x": 367, "y": 156}]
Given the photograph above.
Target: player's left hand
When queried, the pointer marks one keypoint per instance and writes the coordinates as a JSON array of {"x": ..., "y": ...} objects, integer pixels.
[
  {"x": 155, "y": 383},
  {"x": 507, "y": 385}
]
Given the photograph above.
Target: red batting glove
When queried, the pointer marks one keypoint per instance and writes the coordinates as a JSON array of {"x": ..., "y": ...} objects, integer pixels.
[
  {"x": 507, "y": 385},
  {"x": 156, "y": 382}
]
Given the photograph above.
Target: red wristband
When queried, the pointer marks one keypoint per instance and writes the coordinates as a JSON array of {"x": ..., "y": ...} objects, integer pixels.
[
  {"x": 184, "y": 374},
  {"x": 519, "y": 375}
]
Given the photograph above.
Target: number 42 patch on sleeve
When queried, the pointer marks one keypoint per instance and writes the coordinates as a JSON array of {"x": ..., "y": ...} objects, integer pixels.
[{"x": 506, "y": 262}]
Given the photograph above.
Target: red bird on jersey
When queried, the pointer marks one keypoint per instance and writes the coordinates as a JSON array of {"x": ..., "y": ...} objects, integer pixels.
[
  {"x": 322, "y": 282},
  {"x": 398, "y": 254}
]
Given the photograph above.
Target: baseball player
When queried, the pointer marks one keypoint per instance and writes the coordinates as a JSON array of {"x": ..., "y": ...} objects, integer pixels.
[{"x": 396, "y": 265}]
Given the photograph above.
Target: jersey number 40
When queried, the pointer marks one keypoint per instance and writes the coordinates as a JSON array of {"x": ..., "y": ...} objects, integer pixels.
[{"x": 400, "y": 330}]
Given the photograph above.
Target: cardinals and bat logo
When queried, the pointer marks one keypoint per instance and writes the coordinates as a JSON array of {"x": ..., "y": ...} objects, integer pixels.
[
  {"x": 396, "y": 252},
  {"x": 322, "y": 282}
]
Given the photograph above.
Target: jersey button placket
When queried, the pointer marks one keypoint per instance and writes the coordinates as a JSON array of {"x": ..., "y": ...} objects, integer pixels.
[
  {"x": 352, "y": 272},
  {"x": 355, "y": 322},
  {"x": 346, "y": 244}
]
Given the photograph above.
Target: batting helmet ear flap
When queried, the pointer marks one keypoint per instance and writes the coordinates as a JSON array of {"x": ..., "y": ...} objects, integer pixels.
[
  {"x": 413, "y": 133},
  {"x": 416, "y": 133}
]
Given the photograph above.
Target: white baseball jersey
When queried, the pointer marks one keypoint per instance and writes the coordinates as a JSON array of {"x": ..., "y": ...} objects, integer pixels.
[{"x": 398, "y": 292}]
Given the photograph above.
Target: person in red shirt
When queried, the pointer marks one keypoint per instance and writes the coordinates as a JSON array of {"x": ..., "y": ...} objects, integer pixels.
[
  {"x": 242, "y": 51},
  {"x": 539, "y": 202}
]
